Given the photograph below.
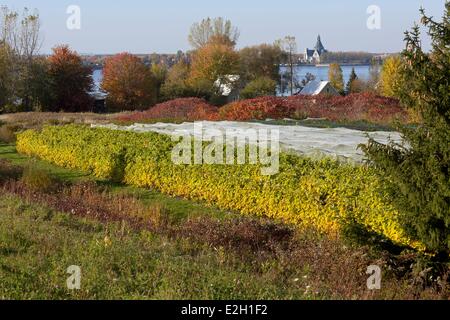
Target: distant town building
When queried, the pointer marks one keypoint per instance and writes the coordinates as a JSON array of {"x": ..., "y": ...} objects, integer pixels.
[
  {"x": 314, "y": 88},
  {"x": 314, "y": 55}
]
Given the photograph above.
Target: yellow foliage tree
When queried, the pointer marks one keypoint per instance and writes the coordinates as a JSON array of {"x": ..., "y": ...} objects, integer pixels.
[
  {"x": 391, "y": 80},
  {"x": 336, "y": 77}
]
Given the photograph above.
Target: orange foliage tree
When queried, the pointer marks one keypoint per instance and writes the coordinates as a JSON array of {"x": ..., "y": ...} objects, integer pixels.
[
  {"x": 71, "y": 81},
  {"x": 213, "y": 62},
  {"x": 129, "y": 83}
]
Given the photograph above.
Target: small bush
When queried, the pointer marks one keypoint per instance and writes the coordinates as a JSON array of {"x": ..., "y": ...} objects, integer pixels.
[
  {"x": 8, "y": 133},
  {"x": 184, "y": 109},
  {"x": 159, "y": 216},
  {"x": 255, "y": 109},
  {"x": 102, "y": 159},
  {"x": 354, "y": 107},
  {"x": 37, "y": 179}
]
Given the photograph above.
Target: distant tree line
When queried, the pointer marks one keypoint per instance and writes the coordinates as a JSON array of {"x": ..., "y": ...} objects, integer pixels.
[
  {"x": 29, "y": 82},
  {"x": 97, "y": 61},
  {"x": 347, "y": 57}
]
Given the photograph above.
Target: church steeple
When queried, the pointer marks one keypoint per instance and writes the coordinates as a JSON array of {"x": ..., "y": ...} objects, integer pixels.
[{"x": 319, "y": 46}]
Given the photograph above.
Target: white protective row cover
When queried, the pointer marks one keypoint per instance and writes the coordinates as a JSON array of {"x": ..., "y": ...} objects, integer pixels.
[{"x": 340, "y": 143}]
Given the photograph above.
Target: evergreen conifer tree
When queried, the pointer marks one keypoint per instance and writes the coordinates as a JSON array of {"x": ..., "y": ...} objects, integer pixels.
[
  {"x": 353, "y": 77},
  {"x": 418, "y": 171}
]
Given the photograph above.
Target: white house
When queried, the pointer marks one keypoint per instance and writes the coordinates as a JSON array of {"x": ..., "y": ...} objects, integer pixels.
[
  {"x": 315, "y": 87},
  {"x": 229, "y": 87}
]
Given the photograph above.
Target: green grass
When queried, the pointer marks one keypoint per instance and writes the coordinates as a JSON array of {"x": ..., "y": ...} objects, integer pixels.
[
  {"x": 180, "y": 208},
  {"x": 37, "y": 245}
]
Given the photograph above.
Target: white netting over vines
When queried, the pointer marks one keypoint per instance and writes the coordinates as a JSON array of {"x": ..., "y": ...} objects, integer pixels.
[{"x": 340, "y": 143}]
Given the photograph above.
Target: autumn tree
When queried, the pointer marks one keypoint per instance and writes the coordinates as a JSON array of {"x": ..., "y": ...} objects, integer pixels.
[
  {"x": 159, "y": 72},
  {"x": 260, "y": 61},
  {"x": 41, "y": 86},
  {"x": 217, "y": 30},
  {"x": 71, "y": 81},
  {"x": 129, "y": 83},
  {"x": 211, "y": 63},
  {"x": 354, "y": 84},
  {"x": 336, "y": 77},
  {"x": 22, "y": 34},
  {"x": 391, "y": 77},
  {"x": 7, "y": 79},
  {"x": 417, "y": 171},
  {"x": 373, "y": 83},
  {"x": 176, "y": 84},
  {"x": 262, "y": 86}
]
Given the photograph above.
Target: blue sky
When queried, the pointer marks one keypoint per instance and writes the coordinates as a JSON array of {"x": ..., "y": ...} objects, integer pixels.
[{"x": 141, "y": 26}]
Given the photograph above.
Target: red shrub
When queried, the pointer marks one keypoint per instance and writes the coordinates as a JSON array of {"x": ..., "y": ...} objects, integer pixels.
[
  {"x": 184, "y": 109},
  {"x": 254, "y": 109},
  {"x": 362, "y": 106},
  {"x": 355, "y": 107}
]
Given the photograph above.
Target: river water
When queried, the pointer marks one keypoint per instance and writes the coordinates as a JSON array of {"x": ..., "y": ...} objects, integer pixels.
[
  {"x": 97, "y": 75},
  {"x": 321, "y": 72}
]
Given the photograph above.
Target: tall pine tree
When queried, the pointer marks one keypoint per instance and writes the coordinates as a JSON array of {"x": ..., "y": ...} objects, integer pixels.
[
  {"x": 418, "y": 171},
  {"x": 353, "y": 77}
]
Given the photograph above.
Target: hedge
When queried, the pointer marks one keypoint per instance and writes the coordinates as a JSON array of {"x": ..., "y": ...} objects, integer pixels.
[
  {"x": 323, "y": 194},
  {"x": 355, "y": 107}
]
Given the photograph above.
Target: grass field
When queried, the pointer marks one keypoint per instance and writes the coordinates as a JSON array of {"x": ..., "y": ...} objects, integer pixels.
[{"x": 117, "y": 262}]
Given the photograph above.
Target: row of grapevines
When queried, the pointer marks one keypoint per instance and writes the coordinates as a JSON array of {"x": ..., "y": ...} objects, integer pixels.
[{"x": 324, "y": 194}]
